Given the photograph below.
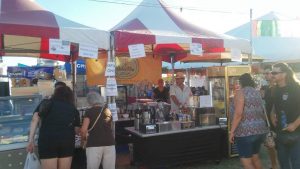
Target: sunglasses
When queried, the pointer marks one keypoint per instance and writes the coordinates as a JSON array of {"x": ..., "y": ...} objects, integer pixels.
[{"x": 275, "y": 73}]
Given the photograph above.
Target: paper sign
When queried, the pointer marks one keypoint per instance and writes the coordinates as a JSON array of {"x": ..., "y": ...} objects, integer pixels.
[
  {"x": 110, "y": 69},
  {"x": 236, "y": 55},
  {"x": 89, "y": 51},
  {"x": 59, "y": 47},
  {"x": 137, "y": 51},
  {"x": 111, "y": 87},
  {"x": 196, "y": 49},
  {"x": 206, "y": 101},
  {"x": 113, "y": 109}
]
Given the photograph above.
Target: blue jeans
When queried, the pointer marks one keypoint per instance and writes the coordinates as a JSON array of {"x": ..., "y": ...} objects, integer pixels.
[
  {"x": 289, "y": 155},
  {"x": 247, "y": 146}
]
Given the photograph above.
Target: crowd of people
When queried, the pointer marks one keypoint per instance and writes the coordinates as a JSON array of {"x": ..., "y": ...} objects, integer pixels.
[
  {"x": 282, "y": 104},
  {"x": 58, "y": 121}
]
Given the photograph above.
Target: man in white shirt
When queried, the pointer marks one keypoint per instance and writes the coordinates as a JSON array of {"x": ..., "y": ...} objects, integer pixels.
[{"x": 179, "y": 94}]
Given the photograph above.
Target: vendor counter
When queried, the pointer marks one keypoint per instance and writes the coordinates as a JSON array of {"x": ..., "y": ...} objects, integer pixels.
[{"x": 179, "y": 147}]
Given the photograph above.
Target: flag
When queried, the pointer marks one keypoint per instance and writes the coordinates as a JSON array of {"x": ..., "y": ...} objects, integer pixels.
[{"x": 267, "y": 28}]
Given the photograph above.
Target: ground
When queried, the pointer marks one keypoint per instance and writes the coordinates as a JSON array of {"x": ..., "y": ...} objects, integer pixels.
[{"x": 123, "y": 162}]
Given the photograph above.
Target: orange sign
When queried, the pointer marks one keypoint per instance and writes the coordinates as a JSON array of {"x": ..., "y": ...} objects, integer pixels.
[{"x": 128, "y": 71}]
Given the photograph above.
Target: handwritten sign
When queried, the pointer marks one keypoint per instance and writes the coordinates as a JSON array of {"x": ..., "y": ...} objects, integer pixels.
[
  {"x": 196, "y": 49},
  {"x": 59, "y": 47},
  {"x": 206, "y": 101},
  {"x": 236, "y": 55},
  {"x": 137, "y": 51},
  {"x": 89, "y": 51},
  {"x": 110, "y": 69},
  {"x": 113, "y": 109},
  {"x": 111, "y": 87}
]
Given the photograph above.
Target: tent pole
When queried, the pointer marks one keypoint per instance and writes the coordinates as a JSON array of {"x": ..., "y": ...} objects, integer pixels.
[
  {"x": 74, "y": 69},
  {"x": 2, "y": 46},
  {"x": 251, "y": 40},
  {"x": 172, "y": 56},
  {"x": 112, "y": 58}
]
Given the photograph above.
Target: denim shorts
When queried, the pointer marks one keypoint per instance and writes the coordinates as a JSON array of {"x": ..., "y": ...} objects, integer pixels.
[{"x": 249, "y": 145}]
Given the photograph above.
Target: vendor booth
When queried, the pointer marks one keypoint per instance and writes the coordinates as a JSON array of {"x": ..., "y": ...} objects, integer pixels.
[
  {"x": 152, "y": 130},
  {"x": 25, "y": 30}
]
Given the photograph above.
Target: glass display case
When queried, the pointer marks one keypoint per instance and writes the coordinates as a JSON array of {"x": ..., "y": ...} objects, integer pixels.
[
  {"x": 224, "y": 80},
  {"x": 15, "y": 117}
]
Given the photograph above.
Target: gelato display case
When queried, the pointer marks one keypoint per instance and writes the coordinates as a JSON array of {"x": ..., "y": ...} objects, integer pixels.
[
  {"x": 224, "y": 81},
  {"x": 15, "y": 117}
]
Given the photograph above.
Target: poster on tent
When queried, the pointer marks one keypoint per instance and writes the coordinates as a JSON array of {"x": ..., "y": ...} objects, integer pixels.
[
  {"x": 128, "y": 71},
  {"x": 89, "y": 51},
  {"x": 110, "y": 69},
  {"x": 196, "y": 49},
  {"x": 113, "y": 109},
  {"x": 59, "y": 47},
  {"x": 111, "y": 87},
  {"x": 236, "y": 55},
  {"x": 136, "y": 51}
]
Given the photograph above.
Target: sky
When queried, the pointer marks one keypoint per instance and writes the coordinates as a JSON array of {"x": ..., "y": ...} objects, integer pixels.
[{"x": 216, "y": 15}]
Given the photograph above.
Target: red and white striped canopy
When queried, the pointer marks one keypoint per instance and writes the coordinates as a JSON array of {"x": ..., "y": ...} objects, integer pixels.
[
  {"x": 25, "y": 29},
  {"x": 153, "y": 24}
]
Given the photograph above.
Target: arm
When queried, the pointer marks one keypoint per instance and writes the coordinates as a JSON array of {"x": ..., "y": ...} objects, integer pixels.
[
  {"x": 34, "y": 123},
  {"x": 84, "y": 128},
  {"x": 238, "y": 113},
  {"x": 273, "y": 116},
  {"x": 293, "y": 126}
]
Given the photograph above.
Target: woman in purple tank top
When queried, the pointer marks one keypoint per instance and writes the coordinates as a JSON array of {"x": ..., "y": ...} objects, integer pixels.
[{"x": 248, "y": 126}]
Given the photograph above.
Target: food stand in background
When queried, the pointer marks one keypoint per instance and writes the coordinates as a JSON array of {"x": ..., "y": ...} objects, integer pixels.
[{"x": 224, "y": 80}]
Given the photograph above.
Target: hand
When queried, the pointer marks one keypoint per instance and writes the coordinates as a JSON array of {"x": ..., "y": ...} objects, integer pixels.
[
  {"x": 273, "y": 119},
  {"x": 30, "y": 147},
  {"x": 290, "y": 128},
  {"x": 231, "y": 137}
]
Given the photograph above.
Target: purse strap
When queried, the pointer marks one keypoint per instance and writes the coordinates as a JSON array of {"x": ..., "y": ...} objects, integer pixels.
[
  {"x": 265, "y": 112},
  {"x": 96, "y": 119}
]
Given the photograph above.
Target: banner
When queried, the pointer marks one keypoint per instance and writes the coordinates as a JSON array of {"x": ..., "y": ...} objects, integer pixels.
[
  {"x": 30, "y": 72},
  {"x": 80, "y": 65},
  {"x": 128, "y": 71}
]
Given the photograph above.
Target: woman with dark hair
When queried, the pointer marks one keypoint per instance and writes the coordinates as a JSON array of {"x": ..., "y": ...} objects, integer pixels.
[
  {"x": 248, "y": 126},
  {"x": 286, "y": 116},
  {"x": 60, "y": 119}
]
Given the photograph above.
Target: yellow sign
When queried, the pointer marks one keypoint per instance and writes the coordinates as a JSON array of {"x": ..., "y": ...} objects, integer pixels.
[{"x": 128, "y": 71}]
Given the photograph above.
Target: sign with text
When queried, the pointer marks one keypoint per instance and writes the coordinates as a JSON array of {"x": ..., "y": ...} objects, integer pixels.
[
  {"x": 236, "y": 55},
  {"x": 113, "y": 109},
  {"x": 196, "y": 49},
  {"x": 110, "y": 69},
  {"x": 206, "y": 101},
  {"x": 137, "y": 51},
  {"x": 59, "y": 47},
  {"x": 111, "y": 87},
  {"x": 89, "y": 51}
]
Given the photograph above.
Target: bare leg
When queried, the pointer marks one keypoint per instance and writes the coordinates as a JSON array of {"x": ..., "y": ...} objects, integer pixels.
[
  {"x": 256, "y": 161},
  {"x": 49, "y": 163},
  {"x": 273, "y": 157},
  {"x": 247, "y": 163},
  {"x": 64, "y": 163}
]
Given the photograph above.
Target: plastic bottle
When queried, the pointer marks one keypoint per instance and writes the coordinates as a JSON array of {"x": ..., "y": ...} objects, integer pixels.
[{"x": 283, "y": 119}]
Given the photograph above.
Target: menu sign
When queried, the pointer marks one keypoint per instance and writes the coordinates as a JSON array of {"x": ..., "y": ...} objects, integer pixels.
[{"x": 111, "y": 87}]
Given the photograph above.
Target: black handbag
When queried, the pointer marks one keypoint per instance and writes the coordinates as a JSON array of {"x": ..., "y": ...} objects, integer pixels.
[{"x": 288, "y": 138}]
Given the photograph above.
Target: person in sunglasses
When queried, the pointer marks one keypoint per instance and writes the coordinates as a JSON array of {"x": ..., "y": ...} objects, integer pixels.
[
  {"x": 286, "y": 116},
  {"x": 267, "y": 92}
]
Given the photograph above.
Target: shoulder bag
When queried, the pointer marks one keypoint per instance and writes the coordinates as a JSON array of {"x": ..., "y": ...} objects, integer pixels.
[{"x": 84, "y": 142}]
